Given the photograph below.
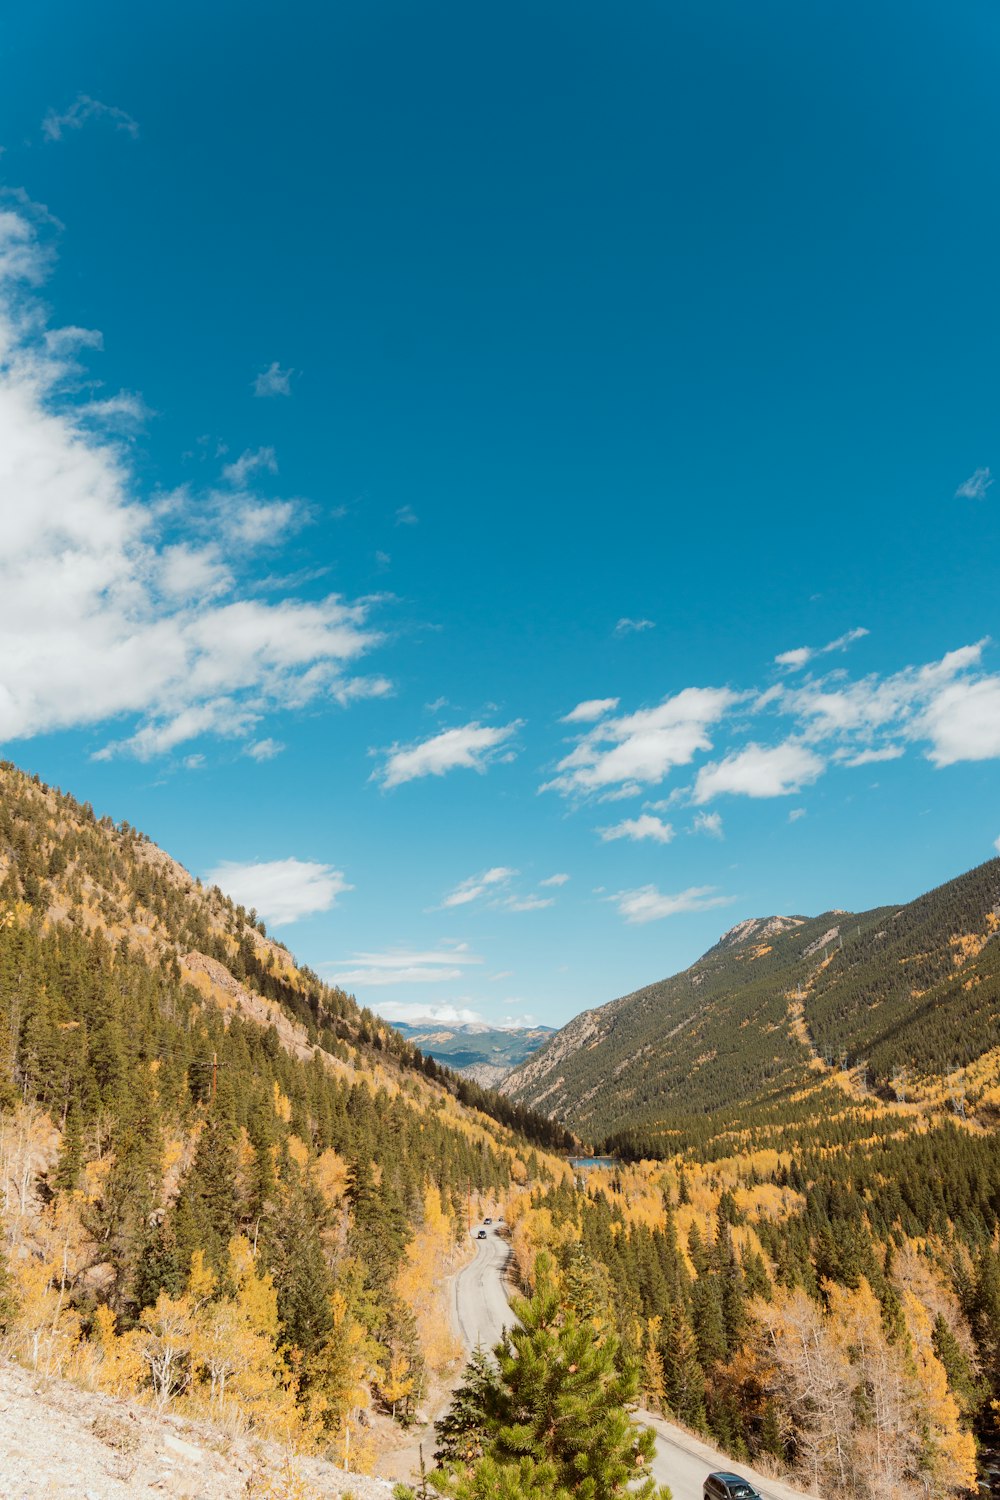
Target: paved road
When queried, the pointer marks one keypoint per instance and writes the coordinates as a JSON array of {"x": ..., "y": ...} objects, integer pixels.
[
  {"x": 480, "y": 1310},
  {"x": 481, "y": 1313}
]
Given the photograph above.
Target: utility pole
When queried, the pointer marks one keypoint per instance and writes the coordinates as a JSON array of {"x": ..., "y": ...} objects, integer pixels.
[{"x": 215, "y": 1071}]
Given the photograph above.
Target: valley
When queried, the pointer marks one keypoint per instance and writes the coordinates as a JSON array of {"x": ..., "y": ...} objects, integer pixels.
[{"x": 231, "y": 1192}]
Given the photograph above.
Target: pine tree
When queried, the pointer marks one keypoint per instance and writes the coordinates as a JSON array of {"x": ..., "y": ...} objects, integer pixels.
[
  {"x": 461, "y": 1432},
  {"x": 562, "y": 1398},
  {"x": 70, "y": 1160}
]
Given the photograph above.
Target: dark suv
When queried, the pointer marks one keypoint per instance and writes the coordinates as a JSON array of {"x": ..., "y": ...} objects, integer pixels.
[{"x": 728, "y": 1487}]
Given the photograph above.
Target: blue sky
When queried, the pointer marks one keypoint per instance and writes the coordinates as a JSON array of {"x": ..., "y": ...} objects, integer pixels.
[{"x": 507, "y": 492}]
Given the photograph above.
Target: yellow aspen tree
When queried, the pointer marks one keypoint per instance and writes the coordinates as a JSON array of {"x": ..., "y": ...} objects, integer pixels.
[
  {"x": 396, "y": 1385},
  {"x": 164, "y": 1338},
  {"x": 653, "y": 1383},
  {"x": 948, "y": 1452},
  {"x": 115, "y": 1363}
]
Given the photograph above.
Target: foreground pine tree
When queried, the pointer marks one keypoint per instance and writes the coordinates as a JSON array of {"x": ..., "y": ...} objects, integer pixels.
[{"x": 552, "y": 1420}]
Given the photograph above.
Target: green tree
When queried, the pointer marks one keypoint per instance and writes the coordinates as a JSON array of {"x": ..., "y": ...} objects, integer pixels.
[{"x": 561, "y": 1398}]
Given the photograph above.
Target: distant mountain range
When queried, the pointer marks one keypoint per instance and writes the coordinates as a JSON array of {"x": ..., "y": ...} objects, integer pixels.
[
  {"x": 479, "y": 1051},
  {"x": 899, "y": 1004}
]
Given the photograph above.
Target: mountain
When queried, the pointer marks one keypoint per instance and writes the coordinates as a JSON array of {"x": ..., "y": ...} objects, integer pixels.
[
  {"x": 484, "y": 1053},
  {"x": 899, "y": 1003},
  {"x": 235, "y": 1189}
]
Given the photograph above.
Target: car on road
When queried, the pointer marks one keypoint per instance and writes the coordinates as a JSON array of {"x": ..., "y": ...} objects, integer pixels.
[
  {"x": 725, "y": 1486},
  {"x": 481, "y": 1235}
]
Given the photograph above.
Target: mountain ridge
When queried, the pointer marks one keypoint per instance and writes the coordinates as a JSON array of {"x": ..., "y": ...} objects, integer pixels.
[{"x": 910, "y": 989}]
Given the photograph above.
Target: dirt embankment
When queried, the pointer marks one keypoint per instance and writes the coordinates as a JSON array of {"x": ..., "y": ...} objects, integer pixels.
[{"x": 60, "y": 1441}]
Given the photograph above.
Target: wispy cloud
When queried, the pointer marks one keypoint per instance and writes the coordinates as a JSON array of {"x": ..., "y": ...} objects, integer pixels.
[
  {"x": 975, "y": 487},
  {"x": 591, "y": 709},
  {"x": 796, "y": 814},
  {"x": 83, "y": 109},
  {"x": 70, "y": 340},
  {"x": 274, "y": 381},
  {"x": 869, "y": 757},
  {"x": 477, "y": 885},
  {"x": 559, "y": 879},
  {"x": 262, "y": 750},
  {"x": 646, "y": 826},
  {"x": 625, "y": 626},
  {"x": 251, "y": 461},
  {"x": 996, "y": 844},
  {"x": 648, "y": 904},
  {"x": 406, "y": 516},
  {"x": 471, "y": 746},
  {"x": 281, "y": 890},
  {"x": 708, "y": 823},
  {"x": 125, "y": 412},
  {"x": 798, "y": 657},
  {"x": 527, "y": 903},
  {"x": 403, "y": 966}
]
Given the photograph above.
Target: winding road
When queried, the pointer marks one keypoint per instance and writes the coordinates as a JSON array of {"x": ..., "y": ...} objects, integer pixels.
[{"x": 481, "y": 1312}]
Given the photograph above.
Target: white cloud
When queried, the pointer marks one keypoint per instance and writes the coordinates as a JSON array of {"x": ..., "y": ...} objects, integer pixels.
[
  {"x": 759, "y": 771},
  {"x": 477, "y": 885},
  {"x": 648, "y": 904},
  {"x": 354, "y": 689},
  {"x": 646, "y": 826},
  {"x": 188, "y": 572},
  {"x": 641, "y": 748},
  {"x": 264, "y": 749},
  {"x": 948, "y": 702},
  {"x": 472, "y": 746},
  {"x": 126, "y": 412},
  {"x": 795, "y": 658},
  {"x": 413, "y": 1013},
  {"x": 274, "y": 381},
  {"x": 80, "y": 111},
  {"x": 527, "y": 903},
  {"x": 406, "y": 516},
  {"x": 975, "y": 487},
  {"x": 250, "y": 523},
  {"x": 404, "y": 966},
  {"x": 710, "y": 823},
  {"x": 250, "y": 462},
  {"x": 795, "y": 814},
  {"x": 68, "y": 341},
  {"x": 554, "y": 880},
  {"x": 281, "y": 890},
  {"x": 591, "y": 709},
  {"x": 962, "y": 722},
  {"x": 113, "y": 608},
  {"x": 870, "y": 757},
  {"x": 996, "y": 845},
  {"x": 798, "y": 657},
  {"x": 625, "y": 626}
]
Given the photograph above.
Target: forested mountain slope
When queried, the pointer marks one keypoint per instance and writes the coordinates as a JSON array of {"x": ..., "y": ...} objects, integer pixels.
[
  {"x": 900, "y": 1003},
  {"x": 801, "y": 1243},
  {"x": 219, "y": 1179}
]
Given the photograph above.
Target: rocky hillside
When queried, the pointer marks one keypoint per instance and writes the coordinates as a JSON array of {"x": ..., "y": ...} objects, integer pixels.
[{"x": 899, "y": 1003}]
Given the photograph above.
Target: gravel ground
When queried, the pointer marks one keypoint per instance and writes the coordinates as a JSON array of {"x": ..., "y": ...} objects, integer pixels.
[{"x": 57, "y": 1440}]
